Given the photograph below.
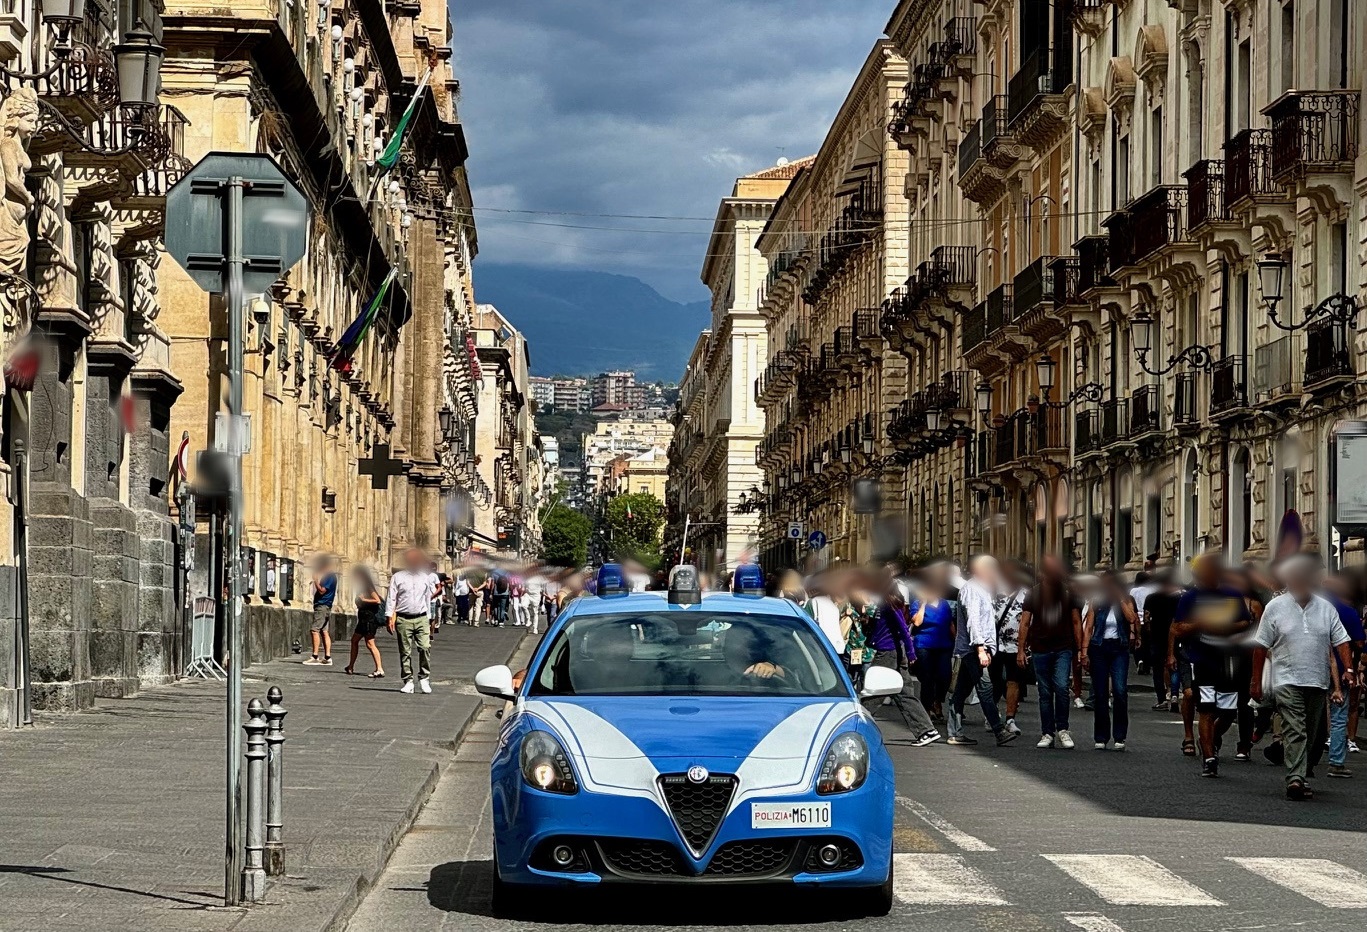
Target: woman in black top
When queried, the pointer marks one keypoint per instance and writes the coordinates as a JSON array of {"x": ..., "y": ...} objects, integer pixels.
[{"x": 369, "y": 618}]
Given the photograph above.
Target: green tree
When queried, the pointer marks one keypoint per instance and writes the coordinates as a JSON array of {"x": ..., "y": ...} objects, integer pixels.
[
  {"x": 565, "y": 537},
  {"x": 634, "y": 524}
]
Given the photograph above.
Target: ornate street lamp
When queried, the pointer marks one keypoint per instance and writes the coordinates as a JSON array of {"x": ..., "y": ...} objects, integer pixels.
[
  {"x": 934, "y": 416},
  {"x": 982, "y": 399},
  {"x": 1141, "y": 334},
  {"x": 445, "y": 417},
  {"x": 866, "y": 435},
  {"x": 64, "y": 14},
  {"x": 138, "y": 59},
  {"x": 1046, "y": 371},
  {"x": 1340, "y": 308}
]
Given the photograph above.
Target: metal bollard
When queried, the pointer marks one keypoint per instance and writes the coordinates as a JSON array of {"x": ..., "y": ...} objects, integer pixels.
[
  {"x": 253, "y": 871},
  {"x": 275, "y": 796}
]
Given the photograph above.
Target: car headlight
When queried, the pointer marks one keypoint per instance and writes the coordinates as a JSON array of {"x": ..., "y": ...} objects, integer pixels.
[
  {"x": 545, "y": 764},
  {"x": 846, "y": 765}
]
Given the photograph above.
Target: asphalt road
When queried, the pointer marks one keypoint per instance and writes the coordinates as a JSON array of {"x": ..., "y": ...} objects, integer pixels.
[{"x": 1011, "y": 838}]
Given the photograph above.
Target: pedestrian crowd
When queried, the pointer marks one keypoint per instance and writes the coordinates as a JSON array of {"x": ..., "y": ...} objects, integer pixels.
[{"x": 1271, "y": 658}]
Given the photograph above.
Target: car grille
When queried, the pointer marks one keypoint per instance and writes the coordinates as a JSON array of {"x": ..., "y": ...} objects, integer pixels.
[
  {"x": 642, "y": 857},
  {"x": 697, "y": 808},
  {"x": 751, "y": 858}
]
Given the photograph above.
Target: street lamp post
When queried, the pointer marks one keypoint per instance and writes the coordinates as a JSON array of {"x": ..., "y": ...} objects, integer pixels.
[
  {"x": 1340, "y": 308},
  {"x": 1141, "y": 333}
]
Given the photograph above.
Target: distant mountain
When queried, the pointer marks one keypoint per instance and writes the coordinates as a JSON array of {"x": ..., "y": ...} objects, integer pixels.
[{"x": 581, "y": 323}]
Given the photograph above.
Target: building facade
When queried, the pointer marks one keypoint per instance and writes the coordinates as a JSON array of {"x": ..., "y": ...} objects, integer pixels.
[{"x": 1127, "y": 312}]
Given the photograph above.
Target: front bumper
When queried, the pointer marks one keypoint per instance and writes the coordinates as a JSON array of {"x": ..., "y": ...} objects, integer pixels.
[{"x": 630, "y": 839}]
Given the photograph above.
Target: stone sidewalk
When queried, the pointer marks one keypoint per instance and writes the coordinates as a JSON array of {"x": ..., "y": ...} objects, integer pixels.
[{"x": 113, "y": 818}]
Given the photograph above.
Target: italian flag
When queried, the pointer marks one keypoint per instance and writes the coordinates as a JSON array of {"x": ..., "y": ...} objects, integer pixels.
[{"x": 351, "y": 339}]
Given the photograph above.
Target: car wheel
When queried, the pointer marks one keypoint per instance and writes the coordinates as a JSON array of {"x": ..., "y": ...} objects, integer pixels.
[
  {"x": 880, "y": 897},
  {"x": 508, "y": 900}
]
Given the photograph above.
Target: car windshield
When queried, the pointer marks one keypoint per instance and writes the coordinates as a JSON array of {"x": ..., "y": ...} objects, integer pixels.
[{"x": 687, "y": 654}]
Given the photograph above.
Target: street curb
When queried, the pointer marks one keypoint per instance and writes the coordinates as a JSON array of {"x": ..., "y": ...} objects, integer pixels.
[{"x": 352, "y": 898}]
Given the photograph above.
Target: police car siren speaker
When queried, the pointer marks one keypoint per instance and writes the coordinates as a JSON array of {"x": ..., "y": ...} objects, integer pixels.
[{"x": 684, "y": 587}]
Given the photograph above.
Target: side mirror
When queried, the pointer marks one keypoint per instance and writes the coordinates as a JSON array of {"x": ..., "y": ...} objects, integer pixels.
[
  {"x": 880, "y": 681},
  {"x": 497, "y": 683}
]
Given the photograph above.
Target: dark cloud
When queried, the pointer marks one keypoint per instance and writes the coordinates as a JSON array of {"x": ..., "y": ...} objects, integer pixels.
[{"x": 641, "y": 107}]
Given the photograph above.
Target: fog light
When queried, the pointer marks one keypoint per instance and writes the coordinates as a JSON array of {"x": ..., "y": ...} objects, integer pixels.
[
  {"x": 563, "y": 855},
  {"x": 828, "y": 855}
]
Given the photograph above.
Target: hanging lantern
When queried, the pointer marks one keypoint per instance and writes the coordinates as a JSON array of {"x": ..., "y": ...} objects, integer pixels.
[{"x": 138, "y": 59}]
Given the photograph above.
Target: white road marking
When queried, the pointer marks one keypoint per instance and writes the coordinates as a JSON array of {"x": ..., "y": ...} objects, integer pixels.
[
  {"x": 961, "y": 839},
  {"x": 1131, "y": 880},
  {"x": 941, "y": 880},
  {"x": 1092, "y": 922},
  {"x": 1324, "y": 881}
]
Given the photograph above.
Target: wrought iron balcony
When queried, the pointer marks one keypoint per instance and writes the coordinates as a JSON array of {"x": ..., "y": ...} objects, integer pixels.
[
  {"x": 1115, "y": 420},
  {"x": 1037, "y": 298},
  {"x": 1228, "y": 386},
  {"x": 1248, "y": 167},
  {"x": 1328, "y": 353},
  {"x": 950, "y": 267},
  {"x": 1313, "y": 131},
  {"x": 970, "y": 148},
  {"x": 1087, "y": 432},
  {"x": 1001, "y": 309},
  {"x": 973, "y": 329},
  {"x": 1153, "y": 221},
  {"x": 1036, "y": 110},
  {"x": 847, "y": 352},
  {"x": 1206, "y": 193},
  {"x": 961, "y": 36},
  {"x": 865, "y": 326},
  {"x": 1146, "y": 409},
  {"x": 1184, "y": 401},
  {"x": 1093, "y": 264},
  {"x": 1026, "y": 435},
  {"x": 1090, "y": 16}
]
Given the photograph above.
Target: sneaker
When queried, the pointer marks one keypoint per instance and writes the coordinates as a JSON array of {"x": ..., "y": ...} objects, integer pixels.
[
  {"x": 1118, "y": 746},
  {"x": 1340, "y": 771},
  {"x": 1006, "y": 736},
  {"x": 1077, "y": 702},
  {"x": 1045, "y": 741},
  {"x": 1065, "y": 739},
  {"x": 326, "y": 662},
  {"x": 1099, "y": 745},
  {"x": 1012, "y": 727},
  {"x": 1243, "y": 754},
  {"x": 1211, "y": 767},
  {"x": 1298, "y": 791},
  {"x": 929, "y": 737},
  {"x": 1160, "y": 706},
  {"x": 1174, "y": 706},
  {"x": 1352, "y": 747},
  {"x": 424, "y": 685},
  {"x": 313, "y": 661},
  {"x": 961, "y": 740},
  {"x": 407, "y": 687}
]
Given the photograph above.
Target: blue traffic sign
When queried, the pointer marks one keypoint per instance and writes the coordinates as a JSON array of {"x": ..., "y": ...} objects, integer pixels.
[{"x": 816, "y": 540}]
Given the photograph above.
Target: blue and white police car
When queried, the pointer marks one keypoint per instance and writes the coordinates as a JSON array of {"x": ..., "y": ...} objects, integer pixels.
[{"x": 689, "y": 739}]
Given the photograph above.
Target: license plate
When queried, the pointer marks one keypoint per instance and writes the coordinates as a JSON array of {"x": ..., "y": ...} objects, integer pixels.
[{"x": 790, "y": 815}]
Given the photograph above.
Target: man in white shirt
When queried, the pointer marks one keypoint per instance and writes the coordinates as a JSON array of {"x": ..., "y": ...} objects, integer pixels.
[
  {"x": 1301, "y": 630},
  {"x": 533, "y": 596},
  {"x": 410, "y": 598},
  {"x": 462, "y": 599}
]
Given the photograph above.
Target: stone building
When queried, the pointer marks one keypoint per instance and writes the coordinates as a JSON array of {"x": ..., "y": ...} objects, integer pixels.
[
  {"x": 129, "y": 354},
  {"x": 718, "y": 418},
  {"x": 1136, "y": 257}
]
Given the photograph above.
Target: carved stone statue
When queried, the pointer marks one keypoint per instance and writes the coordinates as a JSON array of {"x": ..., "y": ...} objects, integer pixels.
[{"x": 18, "y": 118}]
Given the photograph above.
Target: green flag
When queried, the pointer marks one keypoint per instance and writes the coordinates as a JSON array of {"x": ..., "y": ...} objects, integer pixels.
[{"x": 390, "y": 156}]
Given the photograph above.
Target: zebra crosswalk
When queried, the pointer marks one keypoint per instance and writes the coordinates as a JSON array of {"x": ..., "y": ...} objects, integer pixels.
[{"x": 1118, "y": 880}]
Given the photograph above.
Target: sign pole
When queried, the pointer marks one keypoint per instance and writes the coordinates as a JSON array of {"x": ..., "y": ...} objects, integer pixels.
[{"x": 232, "y": 881}]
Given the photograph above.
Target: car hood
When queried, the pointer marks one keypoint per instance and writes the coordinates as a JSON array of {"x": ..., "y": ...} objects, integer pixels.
[{"x": 665, "y": 728}]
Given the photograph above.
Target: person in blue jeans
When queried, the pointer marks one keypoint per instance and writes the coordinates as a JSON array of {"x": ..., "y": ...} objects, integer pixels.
[
  {"x": 1051, "y": 632},
  {"x": 1111, "y": 631},
  {"x": 1339, "y": 594}
]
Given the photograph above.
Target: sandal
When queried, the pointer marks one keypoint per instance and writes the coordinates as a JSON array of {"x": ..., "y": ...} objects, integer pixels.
[
  {"x": 377, "y": 675},
  {"x": 348, "y": 671},
  {"x": 1189, "y": 748}
]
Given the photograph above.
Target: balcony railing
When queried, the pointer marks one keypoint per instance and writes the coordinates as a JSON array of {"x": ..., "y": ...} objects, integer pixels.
[
  {"x": 1087, "y": 431},
  {"x": 1248, "y": 166},
  {"x": 970, "y": 148},
  {"x": 1035, "y": 285},
  {"x": 1228, "y": 386},
  {"x": 1001, "y": 309},
  {"x": 1115, "y": 420},
  {"x": 1313, "y": 130},
  {"x": 953, "y": 265},
  {"x": 1094, "y": 263},
  {"x": 1065, "y": 273},
  {"x": 1146, "y": 408},
  {"x": 865, "y": 325},
  {"x": 961, "y": 35},
  {"x": 1206, "y": 193},
  {"x": 995, "y": 120},
  {"x": 1043, "y": 72},
  {"x": 1184, "y": 400},
  {"x": 1160, "y": 219},
  {"x": 1328, "y": 352},
  {"x": 973, "y": 328}
]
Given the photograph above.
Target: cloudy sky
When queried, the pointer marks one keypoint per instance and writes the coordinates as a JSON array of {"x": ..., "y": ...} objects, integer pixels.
[{"x": 575, "y": 109}]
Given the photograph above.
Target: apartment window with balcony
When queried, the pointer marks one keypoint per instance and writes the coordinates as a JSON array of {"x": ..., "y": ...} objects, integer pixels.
[
  {"x": 1243, "y": 102},
  {"x": 1095, "y": 194},
  {"x": 1338, "y": 258},
  {"x": 1122, "y": 170},
  {"x": 1156, "y": 147}
]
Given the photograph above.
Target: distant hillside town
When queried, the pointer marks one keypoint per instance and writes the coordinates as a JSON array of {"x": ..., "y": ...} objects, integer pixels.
[{"x": 603, "y": 395}]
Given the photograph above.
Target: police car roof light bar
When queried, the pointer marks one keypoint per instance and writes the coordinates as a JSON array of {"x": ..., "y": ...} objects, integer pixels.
[
  {"x": 748, "y": 579},
  {"x": 611, "y": 580}
]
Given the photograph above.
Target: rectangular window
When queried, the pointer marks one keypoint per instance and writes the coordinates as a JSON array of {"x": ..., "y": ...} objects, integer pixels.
[
  {"x": 1156, "y": 147},
  {"x": 1338, "y": 258},
  {"x": 1122, "y": 170},
  {"x": 1244, "y": 86},
  {"x": 1288, "y": 61}
]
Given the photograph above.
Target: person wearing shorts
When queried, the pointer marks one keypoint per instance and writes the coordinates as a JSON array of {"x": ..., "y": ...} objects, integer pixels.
[
  {"x": 324, "y": 594},
  {"x": 1213, "y": 620}
]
